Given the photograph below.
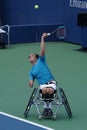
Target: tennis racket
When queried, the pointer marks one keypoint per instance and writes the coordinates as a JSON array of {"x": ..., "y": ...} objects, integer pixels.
[{"x": 61, "y": 32}]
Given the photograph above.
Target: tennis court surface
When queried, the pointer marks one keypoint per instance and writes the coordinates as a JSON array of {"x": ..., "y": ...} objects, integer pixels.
[
  {"x": 9, "y": 122},
  {"x": 69, "y": 67}
]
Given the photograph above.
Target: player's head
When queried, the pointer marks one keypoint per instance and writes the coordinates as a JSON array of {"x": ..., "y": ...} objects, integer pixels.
[{"x": 33, "y": 57}]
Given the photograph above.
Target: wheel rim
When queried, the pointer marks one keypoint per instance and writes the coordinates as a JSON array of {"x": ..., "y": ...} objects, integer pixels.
[
  {"x": 66, "y": 103},
  {"x": 30, "y": 102}
]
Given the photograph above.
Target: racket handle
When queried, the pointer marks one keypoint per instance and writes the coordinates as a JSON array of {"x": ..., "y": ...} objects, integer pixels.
[{"x": 48, "y": 34}]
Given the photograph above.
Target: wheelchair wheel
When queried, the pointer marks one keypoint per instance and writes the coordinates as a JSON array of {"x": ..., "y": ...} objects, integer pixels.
[
  {"x": 30, "y": 102},
  {"x": 65, "y": 102}
]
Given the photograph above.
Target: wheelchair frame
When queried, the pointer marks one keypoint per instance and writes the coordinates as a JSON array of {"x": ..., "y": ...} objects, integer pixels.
[{"x": 58, "y": 100}]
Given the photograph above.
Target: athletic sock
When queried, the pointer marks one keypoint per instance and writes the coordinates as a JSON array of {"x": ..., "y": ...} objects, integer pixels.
[
  {"x": 45, "y": 104},
  {"x": 49, "y": 105}
]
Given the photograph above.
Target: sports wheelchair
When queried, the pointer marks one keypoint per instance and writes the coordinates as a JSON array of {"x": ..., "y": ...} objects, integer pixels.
[{"x": 58, "y": 98}]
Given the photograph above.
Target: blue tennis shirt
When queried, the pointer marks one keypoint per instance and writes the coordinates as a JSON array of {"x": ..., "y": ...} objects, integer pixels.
[{"x": 41, "y": 72}]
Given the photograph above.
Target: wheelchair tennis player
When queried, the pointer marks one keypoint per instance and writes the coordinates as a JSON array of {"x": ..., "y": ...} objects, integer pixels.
[{"x": 41, "y": 72}]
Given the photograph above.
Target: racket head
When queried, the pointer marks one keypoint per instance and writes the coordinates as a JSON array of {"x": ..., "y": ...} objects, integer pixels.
[{"x": 61, "y": 32}]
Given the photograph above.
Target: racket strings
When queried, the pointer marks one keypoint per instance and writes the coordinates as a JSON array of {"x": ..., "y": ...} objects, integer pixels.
[{"x": 61, "y": 32}]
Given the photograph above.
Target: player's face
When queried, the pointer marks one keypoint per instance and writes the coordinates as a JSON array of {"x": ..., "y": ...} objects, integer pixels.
[{"x": 32, "y": 58}]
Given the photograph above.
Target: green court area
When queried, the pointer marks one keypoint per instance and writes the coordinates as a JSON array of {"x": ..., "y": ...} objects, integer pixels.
[{"x": 69, "y": 67}]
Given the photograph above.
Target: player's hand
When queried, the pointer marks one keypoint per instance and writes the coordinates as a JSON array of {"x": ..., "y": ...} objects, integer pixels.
[{"x": 44, "y": 35}]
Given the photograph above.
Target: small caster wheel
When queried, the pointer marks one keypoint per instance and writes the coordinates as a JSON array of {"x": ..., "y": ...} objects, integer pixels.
[
  {"x": 54, "y": 118},
  {"x": 39, "y": 117}
]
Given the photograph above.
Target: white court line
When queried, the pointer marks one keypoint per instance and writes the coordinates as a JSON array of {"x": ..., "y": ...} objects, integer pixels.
[{"x": 26, "y": 121}]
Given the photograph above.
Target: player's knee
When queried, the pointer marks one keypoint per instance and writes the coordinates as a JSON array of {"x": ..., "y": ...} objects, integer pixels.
[
  {"x": 47, "y": 90},
  {"x": 50, "y": 90},
  {"x": 44, "y": 90}
]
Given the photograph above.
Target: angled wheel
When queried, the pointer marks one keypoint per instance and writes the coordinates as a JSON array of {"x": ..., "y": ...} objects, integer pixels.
[
  {"x": 65, "y": 102},
  {"x": 30, "y": 102}
]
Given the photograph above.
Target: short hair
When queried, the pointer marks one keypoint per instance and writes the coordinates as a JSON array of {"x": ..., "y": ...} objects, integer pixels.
[{"x": 37, "y": 56}]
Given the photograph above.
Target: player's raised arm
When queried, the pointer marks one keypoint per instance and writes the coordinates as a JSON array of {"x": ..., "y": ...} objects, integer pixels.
[{"x": 42, "y": 49}]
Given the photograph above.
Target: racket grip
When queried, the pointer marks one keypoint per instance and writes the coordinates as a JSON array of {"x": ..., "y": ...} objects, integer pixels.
[{"x": 48, "y": 34}]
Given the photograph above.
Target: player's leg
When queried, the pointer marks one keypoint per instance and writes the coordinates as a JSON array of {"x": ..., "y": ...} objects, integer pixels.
[{"x": 48, "y": 90}]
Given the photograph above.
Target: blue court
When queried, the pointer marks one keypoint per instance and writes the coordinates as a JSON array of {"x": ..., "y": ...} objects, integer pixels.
[{"x": 9, "y": 122}]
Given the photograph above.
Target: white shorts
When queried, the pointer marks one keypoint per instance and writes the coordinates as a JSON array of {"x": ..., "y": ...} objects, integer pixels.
[{"x": 52, "y": 85}]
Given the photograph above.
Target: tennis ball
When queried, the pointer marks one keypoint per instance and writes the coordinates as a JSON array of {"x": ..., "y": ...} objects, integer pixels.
[{"x": 36, "y": 6}]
